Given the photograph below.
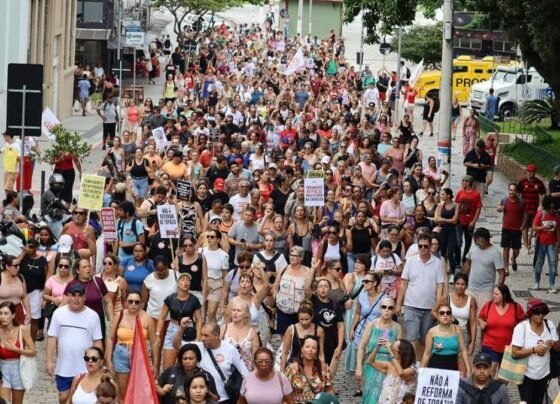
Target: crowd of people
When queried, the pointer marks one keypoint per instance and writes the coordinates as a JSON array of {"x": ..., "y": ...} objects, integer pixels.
[{"x": 261, "y": 298}]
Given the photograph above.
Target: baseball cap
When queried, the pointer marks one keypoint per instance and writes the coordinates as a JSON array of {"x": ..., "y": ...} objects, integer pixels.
[
  {"x": 325, "y": 160},
  {"x": 183, "y": 274},
  {"x": 482, "y": 359},
  {"x": 65, "y": 243},
  {"x": 324, "y": 398},
  {"x": 215, "y": 218},
  {"x": 482, "y": 232},
  {"x": 219, "y": 184},
  {"x": 534, "y": 303},
  {"x": 531, "y": 167},
  {"x": 468, "y": 178},
  {"x": 76, "y": 288},
  {"x": 273, "y": 165}
]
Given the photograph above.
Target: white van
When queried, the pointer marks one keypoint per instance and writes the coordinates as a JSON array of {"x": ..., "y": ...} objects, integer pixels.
[{"x": 512, "y": 86}]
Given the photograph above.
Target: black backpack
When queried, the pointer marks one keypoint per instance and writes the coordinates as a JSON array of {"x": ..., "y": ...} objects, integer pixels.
[
  {"x": 120, "y": 230},
  {"x": 269, "y": 264},
  {"x": 436, "y": 105}
]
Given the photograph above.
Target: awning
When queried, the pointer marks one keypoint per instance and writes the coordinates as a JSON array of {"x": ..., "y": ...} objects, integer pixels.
[{"x": 93, "y": 34}]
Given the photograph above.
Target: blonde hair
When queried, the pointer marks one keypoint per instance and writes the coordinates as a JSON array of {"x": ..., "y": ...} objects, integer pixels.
[{"x": 242, "y": 304}]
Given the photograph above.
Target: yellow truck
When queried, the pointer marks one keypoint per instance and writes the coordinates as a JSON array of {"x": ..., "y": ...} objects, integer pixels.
[{"x": 466, "y": 72}]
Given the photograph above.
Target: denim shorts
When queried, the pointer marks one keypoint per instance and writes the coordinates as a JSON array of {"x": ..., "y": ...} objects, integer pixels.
[
  {"x": 140, "y": 187},
  {"x": 417, "y": 322},
  {"x": 11, "y": 377},
  {"x": 121, "y": 359},
  {"x": 495, "y": 356},
  {"x": 169, "y": 335}
]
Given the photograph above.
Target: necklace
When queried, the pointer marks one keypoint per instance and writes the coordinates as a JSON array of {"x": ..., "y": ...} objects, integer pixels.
[{"x": 445, "y": 329}]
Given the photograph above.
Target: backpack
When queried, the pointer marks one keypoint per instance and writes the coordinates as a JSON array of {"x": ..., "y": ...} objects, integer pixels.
[
  {"x": 377, "y": 256},
  {"x": 120, "y": 232},
  {"x": 436, "y": 105},
  {"x": 269, "y": 264}
]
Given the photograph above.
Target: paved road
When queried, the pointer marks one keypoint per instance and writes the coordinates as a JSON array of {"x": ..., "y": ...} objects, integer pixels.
[{"x": 345, "y": 383}]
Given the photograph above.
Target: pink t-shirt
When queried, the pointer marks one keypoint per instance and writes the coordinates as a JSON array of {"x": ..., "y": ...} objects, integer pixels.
[
  {"x": 367, "y": 170},
  {"x": 56, "y": 288},
  {"x": 389, "y": 212},
  {"x": 436, "y": 176},
  {"x": 271, "y": 391}
]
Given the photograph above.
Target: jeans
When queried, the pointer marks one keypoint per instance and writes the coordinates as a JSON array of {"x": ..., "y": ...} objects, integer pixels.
[
  {"x": 467, "y": 232},
  {"x": 351, "y": 261},
  {"x": 548, "y": 251}
]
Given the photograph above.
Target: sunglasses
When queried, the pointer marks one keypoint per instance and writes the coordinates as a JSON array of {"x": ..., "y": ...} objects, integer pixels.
[
  {"x": 133, "y": 301},
  {"x": 244, "y": 266},
  {"x": 91, "y": 358},
  {"x": 431, "y": 193},
  {"x": 80, "y": 213},
  {"x": 63, "y": 266},
  {"x": 540, "y": 312},
  {"x": 445, "y": 312},
  {"x": 210, "y": 237},
  {"x": 384, "y": 307},
  {"x": 294, "y": 256},
  {"x": 332, "y": 232},
  {"x": 107, "y": 262},
  {"x": 423, "y": 246},
  {"x": 366, "y": 281}
]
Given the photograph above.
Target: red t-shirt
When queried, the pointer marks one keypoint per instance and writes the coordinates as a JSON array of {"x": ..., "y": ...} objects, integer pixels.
[
  {"x": 530, "y": 191},
  {"x": 469, "y": 202},
  {"x": 491, "y": 150},
  {"x": 499, "y": 329},
  {"x": 513, "y": 214},
  {"x": 548, "y": 236}
]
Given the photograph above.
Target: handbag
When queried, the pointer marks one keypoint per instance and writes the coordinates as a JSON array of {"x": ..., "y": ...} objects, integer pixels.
[
  {"x": 512, "y": 370},
  {"x": 49, "y": 309},
  {"x": 233, "y": 384},
  {"x": 27, "y": 367},
  {"x": 149, "y": 66}
]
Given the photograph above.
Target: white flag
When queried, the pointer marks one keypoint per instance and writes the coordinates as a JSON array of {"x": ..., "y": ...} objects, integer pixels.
[
  {"x": 48, "y": 120},
  {"x": 416, "y": 73},
  {"x": 297, "y": 62}
]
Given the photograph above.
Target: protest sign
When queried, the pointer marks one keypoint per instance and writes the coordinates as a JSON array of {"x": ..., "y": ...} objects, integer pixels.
[
  {"x": 437, "y": 386},
  {"x": 91, "y": 192},
  {"x": 214, "y": 134},
  {"x": 168, "y": 224},
  {"x": 48, "y": 121},
  {"x": 109, "y": 224},
  {"x": 184, "y": 190},
  {"x": 314, "y": 184},
  {"x": 160, "y": 138}
]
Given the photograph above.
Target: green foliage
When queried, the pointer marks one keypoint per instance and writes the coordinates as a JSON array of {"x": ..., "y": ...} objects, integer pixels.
[
  {"x": 421, "y": 42},
  {"x": 66, "y": 142},
  {"x": 536, "y": 111}
]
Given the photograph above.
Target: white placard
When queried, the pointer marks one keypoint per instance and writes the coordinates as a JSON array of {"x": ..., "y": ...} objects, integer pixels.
[
  {"x": 134, "y": 39},
  {"x": 167, "y": 219},
  {"x": 48, "y": 120},
  {"x": 314, "y": 185},
  {"x": 160, "y": 138},
  {"x": 437, "y": 386}
]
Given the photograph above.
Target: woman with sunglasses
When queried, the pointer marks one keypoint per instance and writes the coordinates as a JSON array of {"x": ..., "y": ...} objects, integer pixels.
[
  {"x": 332, "y": 249},
  {"x": 376, "y": 335},
  {"x": 308, "y": 375},
  {"x": 14, "y": 289},
  {"x": 445, "y": 345},
  {"x": 55, "y": 286},
  {"x": 121, "y": 337},
  {"x": 84, "y": 385},
  {"x": 430, "y": 203},
  {"x": 190, "y": 261},
  {"x": 15, "y": 342},
  {"x": 114, "y": 282}
]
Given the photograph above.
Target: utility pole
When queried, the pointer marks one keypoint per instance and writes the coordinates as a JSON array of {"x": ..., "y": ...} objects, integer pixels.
[
  {"x": 362, "y": 42},
  {"x": 446, "y": 88},
  {"x": 299, "y": 25},
  {"x": 310, "y": 17},
  {"x": 398, "y": 81}
]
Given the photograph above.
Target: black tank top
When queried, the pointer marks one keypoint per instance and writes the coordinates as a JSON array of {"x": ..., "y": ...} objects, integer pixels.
[
  {"x": 455, "y": 111},
  {"x": 448, "y": 214},
  {"x": 139, "y": 170},
  {"x": 360, "y": 241},
  {"x": 195, "y": 270},
  {"x": 297, "y": 343}
]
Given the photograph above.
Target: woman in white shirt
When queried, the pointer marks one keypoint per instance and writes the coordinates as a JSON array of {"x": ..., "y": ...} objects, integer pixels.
[{"x": 215, "y": 263}]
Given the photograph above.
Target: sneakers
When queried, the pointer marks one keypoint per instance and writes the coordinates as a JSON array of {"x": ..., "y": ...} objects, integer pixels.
[
  {"x": 431, "y": 134},
  {"x": 552, "y": 290},
  {"x": 535, "y": 287},
  {"x": 420, "y": 134}
]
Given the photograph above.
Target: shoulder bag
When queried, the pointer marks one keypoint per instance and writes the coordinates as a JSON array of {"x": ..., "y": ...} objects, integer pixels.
[
  {"x": 231, "y": 385},
  {"x": 27, "y": 366}
]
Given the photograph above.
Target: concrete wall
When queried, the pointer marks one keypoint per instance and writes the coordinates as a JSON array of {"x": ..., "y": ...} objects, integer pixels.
[{"x": 326, "y": 15}]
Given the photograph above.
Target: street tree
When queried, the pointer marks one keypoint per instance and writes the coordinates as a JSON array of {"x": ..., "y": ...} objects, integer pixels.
[
  {"x": 180, "y": 9},
  {"x": 421, "y": 42}
]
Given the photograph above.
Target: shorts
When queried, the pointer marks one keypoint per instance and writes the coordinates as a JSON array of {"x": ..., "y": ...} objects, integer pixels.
[
  {"x": 495, "y": 356},
  {"x": 169, "y": 335},
  {"x": 121, "y": 359},
  {"x": 456, "y": 119},
  {"x": 9, "y": 181},
  {"x": 63, "y": 383},
  {"x": 481, "y": 298},
  {"x": 511, "y": 239},
  {"x": 11, "y": 376},
  {"x": 428, "y": 118},
  {"x": 35, "y": 300},
  {"x": 215, "y": 287},
  {"x": 417, "y": 322},
  {"x": 528, "y": 223},
  {"x": 84, "y": 100},
  {"x": 140, "y": 187},
  {"x": 284, "y": 320}
]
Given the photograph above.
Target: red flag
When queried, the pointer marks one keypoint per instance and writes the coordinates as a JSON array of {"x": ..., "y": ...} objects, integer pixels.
[{"x": 141, "y": 388}]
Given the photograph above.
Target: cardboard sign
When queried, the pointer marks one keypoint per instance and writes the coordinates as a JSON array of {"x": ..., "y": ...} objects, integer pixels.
[
  {"x": 314, "y": 185},
  {"x": 184, "y": 190},
  {"x": 160, "y": 138},
  {"x": 437, "y": 386},
  {"x": 91, "y": 192},
  {"x": 214, "y": 134},
  {"x": 168, "y": 223},
  {"x": 109, "y": 224}
]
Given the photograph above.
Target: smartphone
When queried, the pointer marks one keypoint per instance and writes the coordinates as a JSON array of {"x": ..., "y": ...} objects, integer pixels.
[{"x": 410, "y": 221}]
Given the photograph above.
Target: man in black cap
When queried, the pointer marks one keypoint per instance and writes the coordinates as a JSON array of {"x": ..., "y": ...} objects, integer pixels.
[
  {"x": 484, "y": 260},
  {"x": 481, "y": 387}
]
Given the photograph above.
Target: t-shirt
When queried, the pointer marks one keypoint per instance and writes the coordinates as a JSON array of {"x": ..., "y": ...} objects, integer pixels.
[
  {"x": 257, "y": 391},
  {"x": 11, "y": 153},
  {"x": 478, "y": 174},
  {"x": 423, "y": 279},
  {"x": 159, "y": 289},
  {"x": 469, "y": 202},
  {"x": 380, "y": 264},
  {"x": 127, "y": 235},
  {"x": 76, "y": 332},
  {"x": 524, "y": 337},
  {"x": 499, "y": 329},
  {"x": 241, "y": 232},
  {"x": 216, "y": 262},
  {"x": 94, "y": 293},
  {"x": 484, "y": 265},
  {"x": 179, "y": 309},
  {"x": 326, "y": 315},
  {"x": 530, "y": 191},
  {"x": 135, "y": 273},
  {"x": 553, "y": 188},
  {"x": 109, "y": 111},
  {"x": 57, "y": 289},
  {"x": 549, "y": 219},
  {"x": 33, "y": 271},
  {"x": 513, "y": 214},
  {"x": 239, "y": 203},
  {"x": 84, "y": 86}
]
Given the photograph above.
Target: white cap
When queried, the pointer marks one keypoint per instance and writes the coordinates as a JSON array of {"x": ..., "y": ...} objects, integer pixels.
[
  {"x": 326, "y": 160},
  {"x": 272, "y": 165},
  {"x": 65, "y": 243}
]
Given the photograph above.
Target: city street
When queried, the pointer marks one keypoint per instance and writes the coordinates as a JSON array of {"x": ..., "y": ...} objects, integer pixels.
[{"x": 90, "y": 129}]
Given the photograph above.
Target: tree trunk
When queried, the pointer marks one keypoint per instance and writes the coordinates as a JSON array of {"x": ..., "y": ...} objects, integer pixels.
[{"x": 555, "y": 116}]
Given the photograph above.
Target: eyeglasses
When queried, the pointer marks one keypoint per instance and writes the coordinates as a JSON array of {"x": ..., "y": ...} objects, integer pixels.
[
  {"x": 423, "y": 246},
  {"x": 384, "y": 307},
  {"x": 210, "y": 237},
  {"x": 91, "y": 358},
  {"x": 63, "y": 266},
  {"x": 366, "y": 281},
  {"x": 79, "y": 213},
  {"x": 133, "y": 301},
  {"x": 244, "y": 266},
  {"x": 445, "y": 312},
  {"x": 295, "y": 256},
  {"x": 332, "y": 232}
]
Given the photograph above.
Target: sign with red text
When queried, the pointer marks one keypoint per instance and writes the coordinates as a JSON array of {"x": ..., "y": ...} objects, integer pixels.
[
  {"x": 314, "y": 184},
  {"x": 109, "y": 224}
]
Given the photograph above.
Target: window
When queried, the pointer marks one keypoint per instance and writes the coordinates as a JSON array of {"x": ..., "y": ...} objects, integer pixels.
[
  {"x": 460, "y": 69},
  {"x": 503, "y": 46},
  {"x": 521, "y": 79},
  {"x": 467, "y": 43},
  {"x": 478, "y": 71},
  {"x": 90, "y": 11}
]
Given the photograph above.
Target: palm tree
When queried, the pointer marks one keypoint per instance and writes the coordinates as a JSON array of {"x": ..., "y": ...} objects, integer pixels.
[{"x": 535, "y": 111}]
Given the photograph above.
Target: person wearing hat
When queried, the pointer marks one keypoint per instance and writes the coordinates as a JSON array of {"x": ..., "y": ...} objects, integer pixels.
[
  {"x": 73, "y": 329},
  {"x": 218, "y": 192},
  {"x": 483, "y": 261},
  {"x": 470, "y": 205},
  {"x": 533, "y": 339},
  {"x": 531, "y": 189},
  {"x": 481, "y": 387},
  {"x": 477, "y": 161},
  {"x": 546, "y": 226}
]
